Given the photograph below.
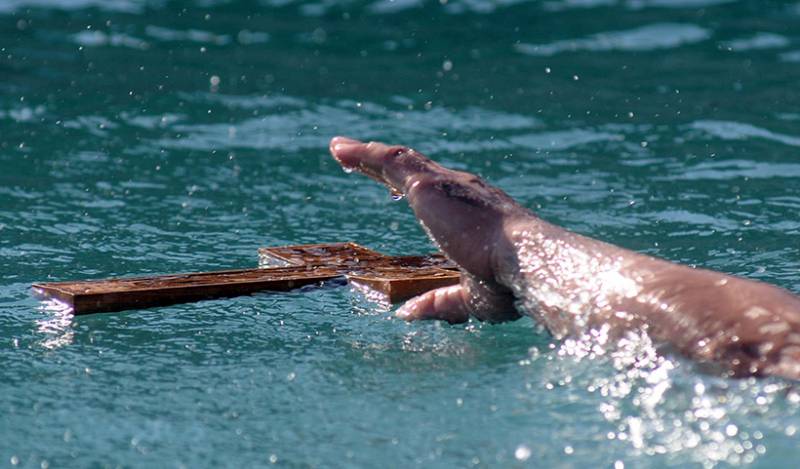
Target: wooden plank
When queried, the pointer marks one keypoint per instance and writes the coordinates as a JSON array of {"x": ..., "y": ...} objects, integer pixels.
[
  {"x": 397, "y": 278},
  {"x": 398, "y": 284},
  {"x": 393, "y": 278},
  {"x": 102, "y": 296},
  {"x": 346, "y": 254},
  {"x": 349, "y": 255}
]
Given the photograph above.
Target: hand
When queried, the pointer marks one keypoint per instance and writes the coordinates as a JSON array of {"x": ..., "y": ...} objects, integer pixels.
[
  {"x": 462, "y": 214},
  {"x": 750, "y": 327}
]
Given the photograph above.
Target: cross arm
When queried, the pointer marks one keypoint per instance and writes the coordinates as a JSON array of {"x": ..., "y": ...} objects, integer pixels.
[{"x": 285, "y": 268}]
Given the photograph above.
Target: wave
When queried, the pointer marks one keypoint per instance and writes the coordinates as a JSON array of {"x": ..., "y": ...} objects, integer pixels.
[{"x": 645, "y": 38}]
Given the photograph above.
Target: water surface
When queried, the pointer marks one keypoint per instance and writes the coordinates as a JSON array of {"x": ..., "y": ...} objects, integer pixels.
[{"x": 143, "y": 137}]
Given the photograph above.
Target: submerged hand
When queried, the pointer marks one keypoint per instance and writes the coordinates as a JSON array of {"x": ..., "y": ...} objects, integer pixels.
[{"x": 463, "y": 215}]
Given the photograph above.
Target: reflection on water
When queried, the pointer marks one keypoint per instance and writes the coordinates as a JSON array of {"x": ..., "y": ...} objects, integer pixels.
[
  {"x": 56, "y": 328},
  {"x": 658, "y": 406}
]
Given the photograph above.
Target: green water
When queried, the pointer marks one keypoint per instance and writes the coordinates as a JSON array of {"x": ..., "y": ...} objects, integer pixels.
[{"x": 162, "y": 136}]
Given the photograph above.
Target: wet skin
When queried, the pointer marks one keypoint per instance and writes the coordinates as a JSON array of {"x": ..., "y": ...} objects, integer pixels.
[{"x": 514, "y": 263}]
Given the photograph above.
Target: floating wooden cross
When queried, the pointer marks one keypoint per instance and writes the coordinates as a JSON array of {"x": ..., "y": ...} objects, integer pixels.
[{"x": 282, "y": 268}]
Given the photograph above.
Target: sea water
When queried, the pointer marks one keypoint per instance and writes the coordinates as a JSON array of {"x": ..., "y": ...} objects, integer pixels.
[{"x": 141, "y": 137}]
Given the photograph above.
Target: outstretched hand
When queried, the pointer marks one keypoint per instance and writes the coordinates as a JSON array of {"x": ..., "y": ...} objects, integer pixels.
[
  {"x": 462, "y": 214},
  {"x": 568, "y": 282}
]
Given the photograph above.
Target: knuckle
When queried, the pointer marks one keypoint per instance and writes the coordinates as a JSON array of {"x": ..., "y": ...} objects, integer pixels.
[{"x": 398, "y": 150}]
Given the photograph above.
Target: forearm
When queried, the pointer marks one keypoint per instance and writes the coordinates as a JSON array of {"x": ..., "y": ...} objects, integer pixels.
[
  {"x": 571, "y": 283},
  {"x": 566, "y": 281}
]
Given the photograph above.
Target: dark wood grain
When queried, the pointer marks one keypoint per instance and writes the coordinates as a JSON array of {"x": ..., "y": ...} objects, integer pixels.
[{"x": 393, "y": 278}]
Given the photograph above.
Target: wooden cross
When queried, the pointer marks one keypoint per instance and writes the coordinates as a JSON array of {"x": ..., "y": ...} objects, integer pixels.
[{"x": 282, "y": 268}]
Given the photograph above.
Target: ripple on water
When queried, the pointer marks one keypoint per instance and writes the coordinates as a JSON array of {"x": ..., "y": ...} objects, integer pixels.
[
  {"x": 645, "y": 38},
  {"x": 793, "y": 56},
  {"x": 639, "y": 4},
  {"x": 729, "y": 130},
  {"x": 190, "y": 35},
  {"x": 732, "y": 170},
  {"x": 101, "y": 39},
  {"x": 759, "y": 41},
  {"x": 287, "y": 122},
  {"x": 23, "y": 113},
  {"x": 127, "y": 6},
  {"x": 563, "y": 140},
  {"x": 386, "y": 7},
  {"x": 558, "y": 5}
]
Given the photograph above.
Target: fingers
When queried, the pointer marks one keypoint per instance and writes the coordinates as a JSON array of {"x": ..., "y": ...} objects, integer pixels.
[
  {"x": 456, "y": 303},
  {"x": 367, "y": 158},
  {"x": 446, "y": 304},
  {"x": 393, "y": 165},
  {"x": 347, "y": 151}
]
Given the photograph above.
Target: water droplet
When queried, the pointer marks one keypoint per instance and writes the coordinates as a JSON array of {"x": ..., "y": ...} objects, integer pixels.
[
  {"x": 522, "y": 453},
  {"x": 396, "y": 194}
]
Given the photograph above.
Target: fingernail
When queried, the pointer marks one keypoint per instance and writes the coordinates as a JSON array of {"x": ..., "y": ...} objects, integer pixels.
[{"x": 345, "y": 146}]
